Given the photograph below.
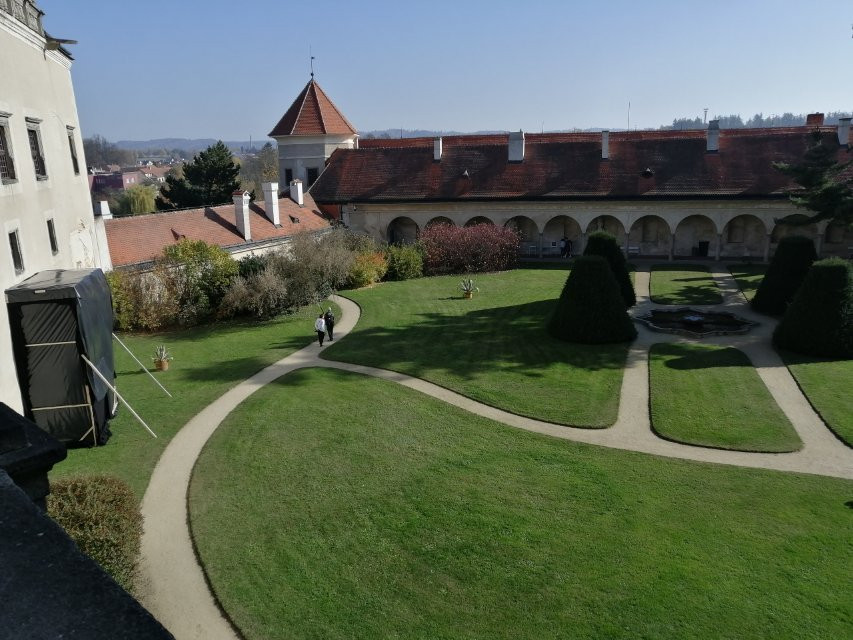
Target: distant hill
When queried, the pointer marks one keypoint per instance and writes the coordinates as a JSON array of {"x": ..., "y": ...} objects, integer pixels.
[{"x": 190, "y": 145}]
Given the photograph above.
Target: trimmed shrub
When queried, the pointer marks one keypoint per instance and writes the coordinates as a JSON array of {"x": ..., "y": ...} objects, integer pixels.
[
  {"x": 100, "y": 514},
  {"x": 590, "y": 309},
  {"x": 483, "y": 247},
  {"x": 404, "y": 262},
  {"x": 262, "y": 295},
  {"x": 366, "y": 269},
  {"x": 601, "y": 243},
  {"x": 787, "y": 270},
  {"x": 819, "y": 321}
]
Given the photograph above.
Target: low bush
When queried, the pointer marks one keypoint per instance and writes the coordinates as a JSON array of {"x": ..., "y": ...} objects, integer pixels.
[
  {"x": 787, "y": 270},
  {"x": 591, "y": 309},
  {"x": 484, "y": 247},
  {"x": 251, "y": 265},
  {"x": 262, "y": 295},
  {"x": 601, "y": 243},
  {"x": 819, "y": 321},
  {"x": 366, "y": 269},
  {"x": 101, "y": 515},
  {"x": 404, "y": 262},
  {"x": 141, "y": 300}
]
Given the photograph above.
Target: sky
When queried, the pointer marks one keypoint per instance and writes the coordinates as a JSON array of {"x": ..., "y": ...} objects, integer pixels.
[{"x": 230, "y": 69}]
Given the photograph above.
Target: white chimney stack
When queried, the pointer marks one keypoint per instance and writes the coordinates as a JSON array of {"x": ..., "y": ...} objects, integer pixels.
[
  {"x": 516, "y": 146},
  {"x": 844, "y": 131},
  {"x": 436, "y": 149},
  {"x": 241, "y": 213},
  {"x": 605, "y": 145},
  {"x": 713, "y": 136},
  {"x": 270, "y": 190},
  {"x": 296, "y": 191},
  {"x": 106, "y": 214}
]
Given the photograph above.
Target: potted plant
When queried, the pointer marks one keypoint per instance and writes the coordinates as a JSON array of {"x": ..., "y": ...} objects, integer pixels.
[
  {"x": 161, "y": 358},
  {"x": 468, "y": 288}
]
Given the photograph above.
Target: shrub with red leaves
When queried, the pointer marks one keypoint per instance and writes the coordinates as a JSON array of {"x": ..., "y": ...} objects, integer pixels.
[{"x": 483, "y": 247}]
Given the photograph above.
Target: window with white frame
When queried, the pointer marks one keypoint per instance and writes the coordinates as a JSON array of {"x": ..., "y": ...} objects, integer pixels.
[
  {"x": 7, "y": 162},
  {"x": 36, "y": 148},
  {"x": 17, "y": 254},
  {"x": 74, "y": 162}
]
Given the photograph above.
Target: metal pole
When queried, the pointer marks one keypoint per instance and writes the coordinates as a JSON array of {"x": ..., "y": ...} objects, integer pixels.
[
  {"x": 141, "y": 365},
  {"x": 118, "y": 395}
]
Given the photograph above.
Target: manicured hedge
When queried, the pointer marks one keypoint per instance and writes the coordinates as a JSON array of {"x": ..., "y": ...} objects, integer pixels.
[
  {"x": 100, "y": 514},
  {"x": 790, "y": 264},
  {"x": 404, "y": 262},
  {"x": 601, "y": 243},
  {"x": 483, "y": 247},
  {"x": 819, "y": 321},
  {"x": 590, "y": 309}
]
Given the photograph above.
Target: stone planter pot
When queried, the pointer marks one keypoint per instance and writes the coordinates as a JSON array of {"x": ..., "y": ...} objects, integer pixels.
[
  {"x": 468, "y": 294},
  {"x": 161, "y": 365}
]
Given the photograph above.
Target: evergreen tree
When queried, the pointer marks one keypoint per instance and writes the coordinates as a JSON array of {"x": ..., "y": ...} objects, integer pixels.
[
  {"x": 791, "y": 262},
  {"x": 826, "y": 185},
  {"x": 209, "y": 178},
  {"x": 601, "y": 243}
]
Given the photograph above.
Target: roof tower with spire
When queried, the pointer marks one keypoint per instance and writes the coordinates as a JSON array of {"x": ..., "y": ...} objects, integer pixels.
[{"x": 312, "y": 114}]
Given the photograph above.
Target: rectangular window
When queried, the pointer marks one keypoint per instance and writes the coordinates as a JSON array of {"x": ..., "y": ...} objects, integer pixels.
[
  {"x": 7, "y": 164},
  {"x": 74, "y": 162},
  {"x": 288, "y": 176},
  {"x": 51, "y": 233},
  {"x": 312, "y": 176},
  {"x": 37, "y": 151},
  {"x": 17, "y": 256}
]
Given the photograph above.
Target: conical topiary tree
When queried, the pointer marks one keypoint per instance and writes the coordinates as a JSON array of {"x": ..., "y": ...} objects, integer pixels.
[
  {"x": 590, "y": 309},
  {"x": 601, "y": 243},
  {"x": 790, "y": 264},
  {"x": 819, "y": 321}
]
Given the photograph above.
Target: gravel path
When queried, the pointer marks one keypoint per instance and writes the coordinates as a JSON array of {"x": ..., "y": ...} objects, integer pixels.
[{"x": 173, "y": 586}]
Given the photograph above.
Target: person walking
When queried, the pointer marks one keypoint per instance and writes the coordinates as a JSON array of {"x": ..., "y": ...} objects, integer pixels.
[
  {"x": 329, "y": 318},
  {"x": 320, "y": 328},
  {"x": 563, "y": 242}
]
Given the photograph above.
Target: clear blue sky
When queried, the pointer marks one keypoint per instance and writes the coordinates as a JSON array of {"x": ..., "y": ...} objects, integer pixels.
[{"x": 229, "y": 69}]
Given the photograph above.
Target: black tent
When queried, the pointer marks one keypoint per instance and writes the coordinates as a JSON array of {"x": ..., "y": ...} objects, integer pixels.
[{"x": 58, "y": 318}]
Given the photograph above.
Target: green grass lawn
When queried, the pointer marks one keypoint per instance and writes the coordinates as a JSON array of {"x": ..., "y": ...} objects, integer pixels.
[
  {"x": 208, "y": 361},
  {"x": 493, "y": 348},
  {"x": 330, "y": 505},
  {"x": 748, "y": 277},
  {"x": 713, "y": 397},
  {"x": 827, "y": 385},
  {"x": 683, "y": 284}
]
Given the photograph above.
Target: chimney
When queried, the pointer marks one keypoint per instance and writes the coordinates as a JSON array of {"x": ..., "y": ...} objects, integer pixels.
[
  {"x": 296, "y": 191},
  {"x": 713, "y": 136},
  {"x": 106, "y": 214},
  {"x": 241, "y": 212},
  {"x": 516, "y": 146},
  {"x": 436, "y": 149},
  {"x": 605, "y": 145},
  {"x": 844, "y": 131},
  {"x": 814, "y": 120},
  {"x": 270, "y": 190}
]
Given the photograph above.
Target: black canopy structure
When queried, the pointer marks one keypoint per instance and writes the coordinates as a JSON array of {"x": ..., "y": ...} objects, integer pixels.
[{"x": 59, "y": 319}]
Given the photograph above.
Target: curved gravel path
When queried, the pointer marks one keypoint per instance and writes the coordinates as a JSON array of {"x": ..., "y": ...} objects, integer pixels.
[{"x": 172, "y": 583}]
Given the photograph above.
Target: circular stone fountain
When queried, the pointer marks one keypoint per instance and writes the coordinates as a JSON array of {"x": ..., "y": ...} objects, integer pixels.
[{"x": 693, "y": 323}]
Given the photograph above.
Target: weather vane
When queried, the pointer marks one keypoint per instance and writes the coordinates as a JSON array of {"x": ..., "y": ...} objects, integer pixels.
[{"x": 311, "y": 61}]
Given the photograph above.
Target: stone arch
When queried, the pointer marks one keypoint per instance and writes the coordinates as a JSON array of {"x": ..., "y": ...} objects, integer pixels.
[
  {"x": 838, "y": 240},
  {"x": 695, "y": 235},
  {"x": 402, "y": 230},
  {"x": 611, "y": 225},
  {"x": 649, "y": 236},
  {"x": 478, "y": 220},
  {"x": 744, "y": 236},
  {"x": 784, "y": 228},
  {"x": 440, "y": 220},
  {"x": 557, "y": 228},
  {"x": 528, "y": 233}
]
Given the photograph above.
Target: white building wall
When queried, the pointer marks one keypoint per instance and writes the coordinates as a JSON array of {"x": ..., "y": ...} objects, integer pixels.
[{"x": 36, "y": 84}]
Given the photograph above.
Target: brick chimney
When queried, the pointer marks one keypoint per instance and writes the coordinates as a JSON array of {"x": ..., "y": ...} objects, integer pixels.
[
  {"x": 516, "y": 146},
  {"x": 270, "y": 190},
  {"x": 844, "y": 131},
  {"x": 605, "y": 145},
  {"x": 436, "y": 149},
  {"x": 713, "y": 139},
  {"x": 296, "y": 192},
  {"x": 241, "y": 213},
  {"x": 814, "y": 120}
]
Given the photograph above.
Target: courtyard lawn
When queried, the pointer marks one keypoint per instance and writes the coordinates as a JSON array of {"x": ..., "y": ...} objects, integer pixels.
[
  {"x": 748, "y": 277},
  {"x": 713, "y": 397},
  {"x": 208, "y": 361},
  {"x": 493, "y": 348},
  {"x": 827, "y": 384},
  {"x": 683, "y": 284},
  {"x": 367, "y": 510}
]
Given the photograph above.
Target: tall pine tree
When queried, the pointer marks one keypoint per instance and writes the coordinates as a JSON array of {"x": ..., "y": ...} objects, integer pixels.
[{"x": 210, "y": 178}]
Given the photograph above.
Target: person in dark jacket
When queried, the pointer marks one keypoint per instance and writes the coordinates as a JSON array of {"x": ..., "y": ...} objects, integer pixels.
[{"x": 329, "y": 317}]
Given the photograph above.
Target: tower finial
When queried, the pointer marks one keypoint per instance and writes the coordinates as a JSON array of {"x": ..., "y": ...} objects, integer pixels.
[{"x": 311, "y": 61}]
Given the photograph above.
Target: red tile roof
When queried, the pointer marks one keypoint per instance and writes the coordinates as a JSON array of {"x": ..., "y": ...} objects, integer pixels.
[
  {"x": 139, "y": 239},
  {"x": 566, "y": 166},
  {"x": 312, "y": 113}
]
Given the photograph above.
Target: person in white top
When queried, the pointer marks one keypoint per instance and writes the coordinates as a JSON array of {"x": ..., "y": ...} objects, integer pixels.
[{"x": 320, "y": 328}]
